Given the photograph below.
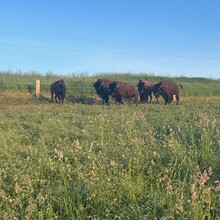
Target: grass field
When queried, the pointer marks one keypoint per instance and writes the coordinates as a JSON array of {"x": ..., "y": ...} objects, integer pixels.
[{"x": 83, "y": 160}]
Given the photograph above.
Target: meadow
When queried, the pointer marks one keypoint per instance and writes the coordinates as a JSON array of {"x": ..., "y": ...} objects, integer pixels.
[{"x": 84, "y": 160}]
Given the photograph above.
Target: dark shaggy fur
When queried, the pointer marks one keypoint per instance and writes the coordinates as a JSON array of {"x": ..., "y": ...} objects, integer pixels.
[
  {"x": 101, "y": 86},
  {"x": 58, "y": 89},
  {"x": 168, "y": 90},
  {"x": 146, "y": 88},
  {"x": 123, "y": 90}
]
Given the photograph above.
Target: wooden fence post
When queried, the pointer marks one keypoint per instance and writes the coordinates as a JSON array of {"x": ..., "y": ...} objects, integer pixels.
[{"x": 37, "y": 88}]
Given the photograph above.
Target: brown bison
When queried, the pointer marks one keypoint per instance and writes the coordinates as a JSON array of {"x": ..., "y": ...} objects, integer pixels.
[
  {"x": 146, "y": 88},
  {"x": 168, "y": 90},
  {"x": 58, "y": 89},
  {"x": 101, "y": 86},
  {"x": 123, "y": 90}
]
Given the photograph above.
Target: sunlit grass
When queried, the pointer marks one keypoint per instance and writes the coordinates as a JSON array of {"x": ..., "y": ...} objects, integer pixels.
[
  {"x": 83, "y": 160},
  {"x": 77, "y": 161},
  {"x": 81, "y": 85}
]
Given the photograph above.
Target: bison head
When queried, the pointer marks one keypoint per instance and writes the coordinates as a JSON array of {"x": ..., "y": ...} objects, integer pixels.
[
  {"x": 61, "y": 81},
  {"x": 141, "y": 85},
  {"x": 100, "y": 86},
  {"x": 112, "y": 87},
  {"x": 97, "y": 83},
  {"x": 158, "y": 88},
  {"x": 97, "y": 86}
]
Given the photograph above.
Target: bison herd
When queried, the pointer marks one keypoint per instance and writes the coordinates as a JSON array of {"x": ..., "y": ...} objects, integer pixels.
[{"x": 120, "y": 91}]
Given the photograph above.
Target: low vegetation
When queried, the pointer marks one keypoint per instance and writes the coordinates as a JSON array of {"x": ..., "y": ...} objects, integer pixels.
[
  {"x": 83, "y": 160},
  {"x": 81, "y": 85}
]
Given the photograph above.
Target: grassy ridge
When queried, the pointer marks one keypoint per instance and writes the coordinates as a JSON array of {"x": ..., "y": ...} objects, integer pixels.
[{"x": 82, "y": 85}]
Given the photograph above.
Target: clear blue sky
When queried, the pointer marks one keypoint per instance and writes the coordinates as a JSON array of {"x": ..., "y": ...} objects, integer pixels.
[{"x": 162, "y": 37}]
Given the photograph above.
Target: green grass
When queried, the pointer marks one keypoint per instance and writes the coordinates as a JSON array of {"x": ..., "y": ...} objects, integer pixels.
[
  {"x": 81, "y": 85},
  {"x": 80, "y": 161}
]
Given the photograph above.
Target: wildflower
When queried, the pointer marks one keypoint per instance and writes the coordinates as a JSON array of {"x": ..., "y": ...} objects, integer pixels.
[
  {"x": 164, "y": 179},
  {"x": 179, "y": 208},
  {"x": 218, "y": 187},
  {"x": 170, "y": 187},
  {"x": 207, "y": 190},
  {"x": 156, "y": 154},
  {"x": 78, "y": 145},
  {"x": 193, "y": 187},
  {"x": 194, "y": 196},
  {"x": 28, "y": 158},
  {"x": 17, "y": 188},
  {"x": 40, "y": 198},
  {"x": 2, "y": 193},
  {"x": 112, "y": 163},
  {"x": 42, "y": 182},
  {"x": 60, "y": 154},
  {"x": 29, "y": 185},
  {"x": 30, "y": 209},
  {"x": 68, "y": 166},
  {"x": 204, "y": 178},
  {"x": 210, "y": 171}
]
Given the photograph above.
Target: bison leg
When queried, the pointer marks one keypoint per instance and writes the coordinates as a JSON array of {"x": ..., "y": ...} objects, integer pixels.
[
  {"x": 57, "y": 98},
  {"x": 51, "y": 97},
  {"x": 169, "y": 100},
  {"x": 106, "y": 100},
  {"x": 145, "y": 98},
  {"x": 177, "y": 99},
  {"x": 166, "y": 99},
  {"x": 156, "y": 96},
  {"x": 136, "y": 99},
  {"x": 150, "y": 98},
  {"x": 61, "y": 98},
  {"x": 131, "y": 100},
  {"x": 141, "y": 98},
  {"x": 119, "y": 100}
]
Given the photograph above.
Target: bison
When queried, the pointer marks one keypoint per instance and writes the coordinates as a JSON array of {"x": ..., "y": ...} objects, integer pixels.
[
  {"x": 146, "y": 88},
  {"x": 58, "y": 89},
  {"x": 168, "y": 90},
  {"x": 123, "y": 90},
  {"x": 101, "y": 86}
]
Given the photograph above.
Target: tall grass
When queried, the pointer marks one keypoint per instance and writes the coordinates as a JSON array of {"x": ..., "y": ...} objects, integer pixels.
[
  {"x": 111, "y": 162},
  {"x": 81, "y": 85}
]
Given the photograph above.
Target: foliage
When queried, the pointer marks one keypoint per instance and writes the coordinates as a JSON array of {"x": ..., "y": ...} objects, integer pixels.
[
  {"x": 81, "y": 85},
  {"x": 77, "y": 161}
]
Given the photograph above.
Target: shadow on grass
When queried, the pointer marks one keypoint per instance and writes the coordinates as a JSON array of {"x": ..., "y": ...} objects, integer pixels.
[
  {"x": 82, "y": 100},
  {"x": 30, "y": 89},
  {"x": 71, "y": 99},
  {"x": 42, "y": 98},
  {"x": 86, "y": 100}
]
